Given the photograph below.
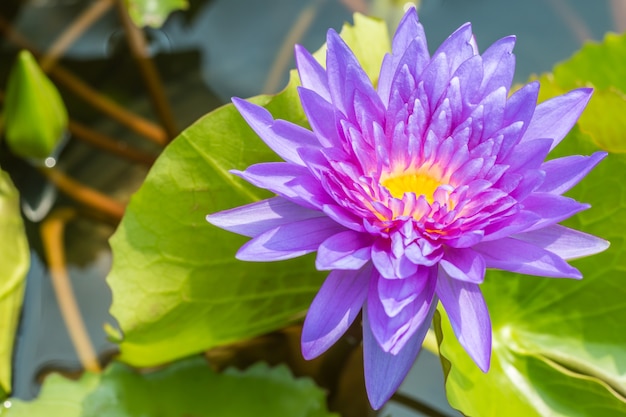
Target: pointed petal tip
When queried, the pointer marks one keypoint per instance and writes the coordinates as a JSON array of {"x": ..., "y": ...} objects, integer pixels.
[
  {"x": 211, "y": 218},
  {"x": 310, "y": 350},
  {"x": 485, "y": 363},
  {"x": 377, "y": 401},
  {"x": 583, "y": 94},
  {"x": 237, "y": 101}
]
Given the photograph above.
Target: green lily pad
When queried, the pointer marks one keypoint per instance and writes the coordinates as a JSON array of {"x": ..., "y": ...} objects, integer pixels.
[
  {"x": 59, "y": 397},
  {"x": 153, "y": 12},
  {"x": 14, "y": 263},
  {"x": 601, "y": 66},
  {"x": 34, "y": 113},
  {"x": 177, "y": 287},
  {"x": 559, "y": 348},
  {"x": 191, "y": 388},
  {"x": 185, "y": 388}
]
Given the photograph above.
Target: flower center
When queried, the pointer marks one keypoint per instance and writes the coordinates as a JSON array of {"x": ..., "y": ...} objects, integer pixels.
[{"x": 417, "y": 182}]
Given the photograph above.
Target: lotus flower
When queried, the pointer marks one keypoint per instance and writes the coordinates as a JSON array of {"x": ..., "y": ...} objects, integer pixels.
[{"x": 410, "y": 188}]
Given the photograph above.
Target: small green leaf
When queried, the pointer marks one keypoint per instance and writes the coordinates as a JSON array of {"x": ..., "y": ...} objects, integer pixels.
[
  {"x": 35, "y": 116},
  {"x": 14, "y": 263},
  {"x": 191, "y": 388},
  {"x": 601, "y": 66},
  {"x": 153, "y": 12},
  {"x": 59, "y": 397},
  {"x": 177, "y": 287}
]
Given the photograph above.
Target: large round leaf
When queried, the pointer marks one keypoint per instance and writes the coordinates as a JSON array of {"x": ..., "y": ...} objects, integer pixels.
[
  {"x": 186, "y": 388},
  {"x": 559, "y": 346},
  {"x": 177, "y": 288}
]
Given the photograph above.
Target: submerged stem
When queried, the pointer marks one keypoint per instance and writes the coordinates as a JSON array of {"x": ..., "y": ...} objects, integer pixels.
[
  {"x": 109, "y": 144},
  {"x": 85, "y": 195},
  {"x": 139, "y": 49},
  {"x": 52, "y": 231}
]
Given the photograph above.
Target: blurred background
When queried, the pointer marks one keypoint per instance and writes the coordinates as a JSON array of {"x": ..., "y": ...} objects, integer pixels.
[{"x": 130, "y": 91}]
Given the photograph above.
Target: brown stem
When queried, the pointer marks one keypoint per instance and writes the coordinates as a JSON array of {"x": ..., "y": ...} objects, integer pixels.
[
  {"x": 90, "y": 15},
  {"x": 84, "y": 194},
  {"x": 139, "y": 49},
  {"x": 618, "y": 11},
  {"x": 52, "y": 231},
  {"x": 135, "y": 122},
  {"x": 572, "y": 20},
  {"x": 109, "y": 144},
  {"x": 416, "y": 405},
  {"x": 297, "y": 31}
]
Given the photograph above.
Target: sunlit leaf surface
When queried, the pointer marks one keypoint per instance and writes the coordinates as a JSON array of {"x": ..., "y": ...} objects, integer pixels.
[
  {"x": 59, "y": 397},
  {"x": 601, "y": 66},
  {"x": 14, "y": 262},
  {"x": 559, "y": 346},
  {"x": 177, "y": 287}
]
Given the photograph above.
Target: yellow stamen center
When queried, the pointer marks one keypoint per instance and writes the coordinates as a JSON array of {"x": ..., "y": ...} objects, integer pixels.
[{"x": 418, "y": 183}]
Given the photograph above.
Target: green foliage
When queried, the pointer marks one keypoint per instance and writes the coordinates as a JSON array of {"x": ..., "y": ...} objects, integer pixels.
[
  {"x": 153, "y": 12},
  {"x": 559, "y": 346},
  {"x": 177, "y": 287},
  {"x": 600, "y": 66},
  {"x": 59, "y": 397},
  {"x": 186, "y": 388},
  {"x": 191, "y": 388},
  {"x": 34, "y": 113},
  {"x": 14, "y": 263}
]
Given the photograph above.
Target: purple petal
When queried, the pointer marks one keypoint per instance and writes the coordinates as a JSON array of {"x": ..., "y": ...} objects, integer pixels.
[
  {"x": 409, "y": 46},
  {"x": 289, "y": 240},
  {"x": 519, "y": 222},
  {"x": 256, "y": 218},
  {"x": 521, "y": 105},
  {"x": 528, "y": 155},
  {"x": 468, "y": 314},
  {"x": 464, "y": 265},
  {"x": 554, "y": 118},
  {"x": 321, "y": 116},
  {"x": 517, "y": 256},
  {"x": 397, "y": 294},
  {"x": 346, "y": 250},
  {"x": 409, "y": 301},
  {"x": 564, "y": 242},
  {"x": 384, "y": 372},
  {"x": 389, "y": 265},
  {"x": 345, "y": 76},
  {"x": 457, "y": 48},
  {"x": 344, "y": 217},
  {"x": 333, "y": 310},
  {"x": 293, "y": 182},
  {"x": 282, "y": 137},
  {"x": 552, "y": 208},
  {"x": 498, "y": 65},
  {"x": 312, "y": 74},
  {"x": 563, "y": 173}
]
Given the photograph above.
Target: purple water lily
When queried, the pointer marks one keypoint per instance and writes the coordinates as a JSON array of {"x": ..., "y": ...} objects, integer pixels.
[{"x": 409, "y": 189}]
